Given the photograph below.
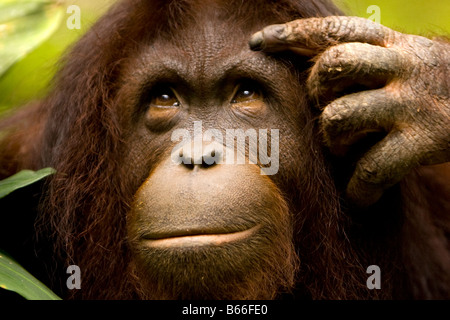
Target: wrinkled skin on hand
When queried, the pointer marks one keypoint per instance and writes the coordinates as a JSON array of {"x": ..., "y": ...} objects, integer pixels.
[{"x": 405, "y": 81}]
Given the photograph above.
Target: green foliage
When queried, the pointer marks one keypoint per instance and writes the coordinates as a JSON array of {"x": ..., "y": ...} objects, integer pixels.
[
  {"x": 15, "y": 278},
  {"x": 12, "y": 276},
  {"x": 29, "y": 78},
  {"x": 22, "y": 179},
  {"x": 24, "y": 24}
]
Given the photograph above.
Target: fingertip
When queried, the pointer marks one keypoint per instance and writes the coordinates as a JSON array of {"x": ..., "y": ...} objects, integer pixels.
[
  {"x": 268, "y": 39},
  {"x": 256, "y": 41}
]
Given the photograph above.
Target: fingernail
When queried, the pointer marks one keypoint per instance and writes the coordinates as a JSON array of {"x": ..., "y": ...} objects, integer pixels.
[{"x": 256, "y": 41}]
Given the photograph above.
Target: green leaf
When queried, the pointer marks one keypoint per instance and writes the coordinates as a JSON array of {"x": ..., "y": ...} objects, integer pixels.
[
  {"x": 12, "y": 276},
  {"x": 15, "y": 278},
  {"x": 22, "y": 179},
  {"x": 24, "y": 24}
]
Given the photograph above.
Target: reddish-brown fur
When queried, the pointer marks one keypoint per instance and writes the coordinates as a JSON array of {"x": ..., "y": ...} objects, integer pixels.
[{"x": 78, "y": 131}]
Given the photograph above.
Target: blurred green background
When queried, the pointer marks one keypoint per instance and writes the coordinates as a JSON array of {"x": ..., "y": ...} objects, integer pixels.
[
  {"x": 428, "y": 17},
  {"x": 29, "y": 78}
]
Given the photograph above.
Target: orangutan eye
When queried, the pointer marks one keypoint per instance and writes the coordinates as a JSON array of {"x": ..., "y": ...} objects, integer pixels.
[
  {"x": 163, "y": 109},
  {"x": 246, "y": 93},
  {"x": 164, "y": 98}
]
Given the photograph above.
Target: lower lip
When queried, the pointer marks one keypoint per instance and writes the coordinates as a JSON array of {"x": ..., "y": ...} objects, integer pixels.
[{"x": 201, "y": 239}]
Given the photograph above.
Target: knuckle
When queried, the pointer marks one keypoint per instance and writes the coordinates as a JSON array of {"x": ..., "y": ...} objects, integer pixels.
[
  {"x": 342, "y": 57},
  {"x": 335, "y": 117},
  {"x": 331, "y": 115}
]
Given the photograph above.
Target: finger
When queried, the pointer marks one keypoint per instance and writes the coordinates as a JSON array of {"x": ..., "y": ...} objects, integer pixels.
[
  {"x": 344, "y": 66},
  {"x": 348, "y": 119},
  {"x": 381, "y": 167},
  {"x": 310, "y": 36}
]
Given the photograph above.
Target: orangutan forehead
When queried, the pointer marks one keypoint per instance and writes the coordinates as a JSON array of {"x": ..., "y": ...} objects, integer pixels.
[
  {"x": 205, "y": 54},
  {"x": 206, "y": 67}
]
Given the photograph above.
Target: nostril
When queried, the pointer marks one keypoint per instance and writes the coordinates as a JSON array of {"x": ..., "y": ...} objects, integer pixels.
[
  {"x": 208, "y": 158},
  {"x": 189, "y": 165},
  {"x": 186, "y": 160},
  {"x": 208, "y": 162}
]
